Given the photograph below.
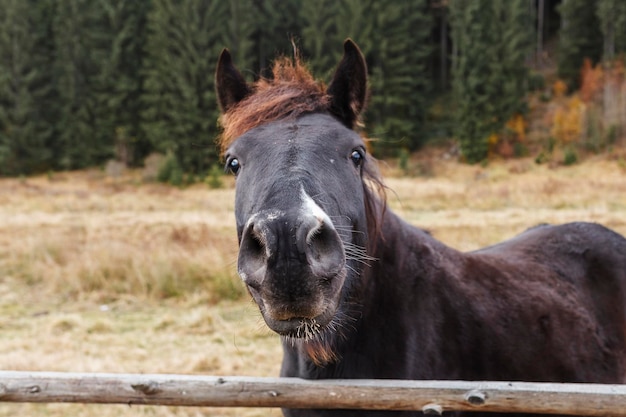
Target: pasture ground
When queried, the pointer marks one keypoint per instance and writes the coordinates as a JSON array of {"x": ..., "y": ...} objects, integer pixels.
[{"x": 112, "y": 275}]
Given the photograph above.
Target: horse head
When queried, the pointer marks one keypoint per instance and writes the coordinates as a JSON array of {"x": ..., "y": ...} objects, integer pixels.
[{"x": 306, "y": 193}]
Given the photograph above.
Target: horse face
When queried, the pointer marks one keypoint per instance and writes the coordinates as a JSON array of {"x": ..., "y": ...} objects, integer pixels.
[
  {"x": 300, "y": 199},
  {"x": 301, "y": 219}
]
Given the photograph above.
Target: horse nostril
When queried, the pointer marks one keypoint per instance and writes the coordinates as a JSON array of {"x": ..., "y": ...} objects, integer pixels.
[
  {"x": 253, "y": 256},
  {"x": 324, "y": 250},
  {"x": 253, "y": 242},
  {"x": 319, "y": 240}
]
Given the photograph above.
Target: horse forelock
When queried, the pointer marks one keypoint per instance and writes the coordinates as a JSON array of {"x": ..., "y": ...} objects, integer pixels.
[{"x": 291, "y": 92}]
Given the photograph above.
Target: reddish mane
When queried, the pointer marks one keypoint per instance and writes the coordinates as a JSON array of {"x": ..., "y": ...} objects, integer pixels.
[{"x": 292, "y": 91}]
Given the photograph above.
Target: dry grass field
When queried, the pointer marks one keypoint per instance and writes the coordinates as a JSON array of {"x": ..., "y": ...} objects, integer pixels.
[{"x": 104, "y": 275}]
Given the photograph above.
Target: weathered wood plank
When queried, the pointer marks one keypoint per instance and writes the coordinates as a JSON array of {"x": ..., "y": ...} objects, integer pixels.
[{"x": 430, "y": 396}]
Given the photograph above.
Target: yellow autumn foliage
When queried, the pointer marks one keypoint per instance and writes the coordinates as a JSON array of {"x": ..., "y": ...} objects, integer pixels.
[
  {"x": 501, "y": 143},
  {"x": 517, "y": 124},
  {"x": 567, "y": 124},
  {"x": 559, "y": 88}
]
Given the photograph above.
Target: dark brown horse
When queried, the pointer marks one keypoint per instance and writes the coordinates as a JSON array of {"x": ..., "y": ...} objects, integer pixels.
[{"x": 355, "y": 292}]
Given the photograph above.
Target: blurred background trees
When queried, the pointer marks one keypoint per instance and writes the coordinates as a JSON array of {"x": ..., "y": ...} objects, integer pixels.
[
  {"x": 83, "y": 81},
  {"x": 494, "y": 41}
]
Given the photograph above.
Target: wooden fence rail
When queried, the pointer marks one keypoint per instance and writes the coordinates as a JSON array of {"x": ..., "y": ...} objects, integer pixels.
[{"x": 432, "y": 397}]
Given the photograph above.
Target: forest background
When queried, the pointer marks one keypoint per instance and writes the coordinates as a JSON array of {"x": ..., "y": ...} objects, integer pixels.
[{"x": 83, "y": 82}]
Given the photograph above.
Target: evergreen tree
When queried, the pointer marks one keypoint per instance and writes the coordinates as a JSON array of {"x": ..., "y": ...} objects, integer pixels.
[
  {"x": 354, "y": 19},
  {"x": 327, "y": 24},
  {"x": 493, "y": 40},
  {"x": 79, "y": 39},
  {"x": 26, "y": 122},
  {"x": 180, "y": 110},
  {"x": 579, "y": 38},
  {"x": 510, "y": 72},
  {"x": 119, "y": 81},
  {"x": 475, "y": 36},
  {"x": 612, "y": 17},
  {"x": 276, "y": 24},
  {"x": 241, "y": 27},
  {"x": 319, "y": 33},
  {"x": 401, "y": 84}
]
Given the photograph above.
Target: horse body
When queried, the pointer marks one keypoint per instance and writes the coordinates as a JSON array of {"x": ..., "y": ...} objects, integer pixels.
[{"x": 355, "y": 292}]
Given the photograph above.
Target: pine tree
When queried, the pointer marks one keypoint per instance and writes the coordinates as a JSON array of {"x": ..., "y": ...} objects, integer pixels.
[
  {"x": 354, "y": 19},
  {"x": 579, "y": 38},
  {"x": 319, "y": 33},
  {"x": 180, "y": 110},
  {"x": 119, "y": 81},
  {"x": 26, "y": 124},
  {"x": 276, "y": 24},
  {"x": 419, "y": 84},
  {"x": 475, "y": 36},
  {"x": 612, "y": 17},
  {"x": 79, "y": 39},
  {"x": 241, "y": 27},
  {"x": 493, "y": 41},
  {"x": 515, "y": 48},
  {"x": 398, "y": 47},
  {"x": 327, "y": 24}
]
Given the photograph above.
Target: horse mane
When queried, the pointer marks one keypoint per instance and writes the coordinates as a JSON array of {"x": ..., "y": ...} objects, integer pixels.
[{"x": 291, "y": 92}]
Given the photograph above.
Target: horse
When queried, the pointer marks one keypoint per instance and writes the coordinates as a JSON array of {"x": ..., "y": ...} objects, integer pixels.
[{"x": 356, "y": 292}]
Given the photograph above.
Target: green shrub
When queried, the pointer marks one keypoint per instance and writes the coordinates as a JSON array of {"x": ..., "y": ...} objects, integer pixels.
[
  {"x": 612, "y": 135},
  {"x": 214, "y": 179},
  {"x": 536, "y": 81},
  {"x": 176, "y": 177},
  {"x": 570, "y": 156},
  {"x": 170, "y": 171},
  {"x": 520, "y": 150}
]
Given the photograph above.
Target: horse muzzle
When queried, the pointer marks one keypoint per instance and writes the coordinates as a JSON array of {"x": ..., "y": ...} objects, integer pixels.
[{"x": 294, "y": 266}]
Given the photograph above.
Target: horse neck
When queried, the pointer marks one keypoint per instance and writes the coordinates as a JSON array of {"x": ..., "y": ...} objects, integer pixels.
[{"x": 405, "y": 256}]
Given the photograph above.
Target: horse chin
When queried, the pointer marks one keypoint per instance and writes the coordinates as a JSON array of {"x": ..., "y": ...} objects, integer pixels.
[
  {"x": 313, "y": 340},
  {"x": 302, "y": 328}
]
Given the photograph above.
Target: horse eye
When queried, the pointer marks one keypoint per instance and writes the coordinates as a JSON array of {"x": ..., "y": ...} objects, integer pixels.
[
  {"x": 357, "y": 158},
  {"x": 233, "y": 165}
]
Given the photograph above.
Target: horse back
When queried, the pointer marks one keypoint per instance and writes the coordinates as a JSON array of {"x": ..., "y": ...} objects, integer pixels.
[{"x": 556, "y": 298}]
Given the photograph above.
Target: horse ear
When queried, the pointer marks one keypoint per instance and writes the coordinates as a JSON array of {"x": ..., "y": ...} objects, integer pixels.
[
  {"x": 348, "y": 89},
  {"x": 230, "y": 85}
]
